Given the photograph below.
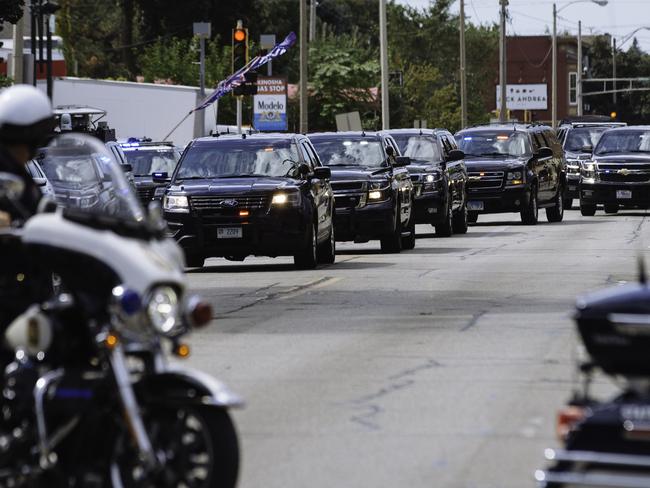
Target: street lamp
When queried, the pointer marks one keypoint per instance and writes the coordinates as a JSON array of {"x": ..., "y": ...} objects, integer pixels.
[{"x": 600, "y": 3}]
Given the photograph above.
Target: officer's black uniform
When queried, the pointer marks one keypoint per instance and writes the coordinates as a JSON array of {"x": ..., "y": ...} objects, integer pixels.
[{"x": 16, "y": 283}]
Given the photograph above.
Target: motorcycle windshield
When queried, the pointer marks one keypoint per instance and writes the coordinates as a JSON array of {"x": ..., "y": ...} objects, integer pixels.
[{"x": 87, "y": 179}]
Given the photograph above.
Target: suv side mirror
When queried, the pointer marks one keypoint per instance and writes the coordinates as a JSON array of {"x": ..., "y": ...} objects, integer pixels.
[
  {"x": 401, "y": 161},
  {"x": 322, "y": 173},
  {"x": 587, "y": 149},
  {"x": 544, "y": 153},
  {"x": 455, "y": 155},
  {"x": 160, "y": 177}
]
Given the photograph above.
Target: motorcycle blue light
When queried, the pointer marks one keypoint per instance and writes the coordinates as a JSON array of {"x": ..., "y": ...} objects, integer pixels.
[{"x": 130, "y": 302}]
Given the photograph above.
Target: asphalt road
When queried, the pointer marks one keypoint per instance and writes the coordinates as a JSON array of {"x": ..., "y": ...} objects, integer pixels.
[{"x": 438, "y": 367}]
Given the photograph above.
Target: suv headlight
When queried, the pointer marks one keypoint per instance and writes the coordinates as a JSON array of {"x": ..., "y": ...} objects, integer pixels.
[
  {"x": 176, "y": 203},
  {"x": 163, "y": 310},
  {"x": 588, "y": 170},
  {"x": 378, "y": 191},
  {"x": 431, "y": 180},
  {"x": 573, "y": 166},
  {"x": 515, "y": 178},
  {"x": 286, "y": 199}
]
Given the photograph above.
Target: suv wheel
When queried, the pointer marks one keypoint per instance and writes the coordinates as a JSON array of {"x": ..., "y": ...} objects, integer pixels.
[
  {"x": 446, "y": 228},
  {"x": 611, "y": 208},
  {"x": 306, "y": 258},
  {"x": 472, "y": 217},
  {"x": 556, "y": 213},
  {"x": 194, "y": 261},
  {"x": 530, "y": 213},
  {"x": 408, "y": 242},
  {"x": 392, "y": 243},
  {"x": 327, "y": 250},
  {"x": 460, "y": 220},
  {"x": 587, "y": 210}
]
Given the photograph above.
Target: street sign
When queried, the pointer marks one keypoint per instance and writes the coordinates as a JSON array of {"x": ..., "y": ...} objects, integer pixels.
[
  {"x": 270, "y": 104},
  {"x": 525, "y": 97}
]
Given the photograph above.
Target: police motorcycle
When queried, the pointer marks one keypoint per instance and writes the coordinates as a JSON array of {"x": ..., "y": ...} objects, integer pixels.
[
  {"x": 607, "y": 442},
  {"x": 91, "y": 398}
]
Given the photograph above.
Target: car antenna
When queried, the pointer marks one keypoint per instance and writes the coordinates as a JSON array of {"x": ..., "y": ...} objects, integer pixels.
[{"x": 643, "y": 276}]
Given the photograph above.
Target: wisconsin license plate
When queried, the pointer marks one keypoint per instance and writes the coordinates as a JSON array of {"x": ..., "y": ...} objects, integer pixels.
[
  {"x": 623, "y": 194},
  {"x": 229, "y": 233},
  {"x": 475, "y": 206}
]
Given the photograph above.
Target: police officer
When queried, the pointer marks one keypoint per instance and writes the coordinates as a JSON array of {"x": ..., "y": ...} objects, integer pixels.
[{"x": 26, "y": 122}]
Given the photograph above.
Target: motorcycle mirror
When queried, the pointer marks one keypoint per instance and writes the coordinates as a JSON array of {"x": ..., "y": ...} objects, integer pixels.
[{"x": 11, "y": 186}]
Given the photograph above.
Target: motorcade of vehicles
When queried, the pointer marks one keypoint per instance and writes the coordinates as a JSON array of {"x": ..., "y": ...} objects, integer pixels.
[
  {"x": 514, "y": 168},
  {"x": 578, "y": 140},
  {"x": 372, "y": 188},
  {"x": 90, "y": 397},
  {"x": 153, "y": 164},
  {"x": 37, "y": 174},
  {"x": 618, "y": 172},
  {"x": 234, "y": 196},
  {"x": 605, "y": 442},
  {"x": 439, "y": 178}
]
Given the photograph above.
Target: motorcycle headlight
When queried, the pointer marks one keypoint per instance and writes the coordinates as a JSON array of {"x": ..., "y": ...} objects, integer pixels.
[
  {"x": 163, "y": 309},
  {"x": 176, "y": 203}
]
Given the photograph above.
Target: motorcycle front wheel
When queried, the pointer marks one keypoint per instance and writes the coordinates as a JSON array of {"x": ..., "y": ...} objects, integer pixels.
[{"x": 196, "y": 447}]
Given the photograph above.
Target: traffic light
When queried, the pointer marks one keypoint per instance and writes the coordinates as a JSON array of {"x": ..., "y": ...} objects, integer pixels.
[{"x": 239, "y": 46}]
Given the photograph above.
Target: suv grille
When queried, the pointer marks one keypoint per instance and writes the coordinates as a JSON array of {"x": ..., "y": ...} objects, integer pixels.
[
  {"x": 145, "y": 195},
  {"x": 624, "y": 173},
  {"x": 214, "y": 202},
  {"x": 347, "y": 185},
  {"x": 485, "y": 180}
]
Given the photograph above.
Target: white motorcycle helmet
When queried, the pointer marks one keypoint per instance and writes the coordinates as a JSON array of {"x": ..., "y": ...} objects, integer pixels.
[{"x": 25, "y": 116}]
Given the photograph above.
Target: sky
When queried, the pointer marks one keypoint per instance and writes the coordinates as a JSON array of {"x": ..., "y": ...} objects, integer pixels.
[{"x": 528, "y": 17}]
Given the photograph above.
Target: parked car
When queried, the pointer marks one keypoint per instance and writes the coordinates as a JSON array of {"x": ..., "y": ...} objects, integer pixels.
[
  {"x": 514, "y": 168},
  {"x": 578, "y": 140},
  {"x": 372, "y": 188},
  {"x": 266, "y": 195},
  {"x": 153, "y": 164},
  {"x": 40, "y": 179},
  {"x": 439, "y": 178},
  {"x": 618, "y": 173}
]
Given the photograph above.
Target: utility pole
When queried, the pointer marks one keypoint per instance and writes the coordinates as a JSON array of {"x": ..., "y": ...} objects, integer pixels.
[
  {"x": 383, "y": 58},
  {"x": 17, "y": 62},
  {"x": 463, "y": 79},
  {"x": 614, "y": 71},
  {"x": 579, "y": 80},
  {"x": 303, "y": 67},
  {"x": 503, "y": 112},
  {"x": 312, "y": 20},
  {"x": 554, "y": 71},
  {"x": 203, "y": 31}
]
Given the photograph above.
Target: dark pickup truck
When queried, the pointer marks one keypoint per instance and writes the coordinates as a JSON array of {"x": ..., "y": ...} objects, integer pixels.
[{"x": 372, "y": 188}]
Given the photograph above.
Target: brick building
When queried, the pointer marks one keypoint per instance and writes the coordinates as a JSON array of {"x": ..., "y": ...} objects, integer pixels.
[{"x": 529, "y": 61}]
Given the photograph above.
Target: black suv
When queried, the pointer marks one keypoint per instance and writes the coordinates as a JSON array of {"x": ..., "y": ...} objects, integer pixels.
[
  {"x": 578, "y": 140},
  {"x": 618, "y": 173},
  {"x": 372, "y": 188},
  {"x": 263, "y": 195},
  {"x": 439, "y": 178},
  {"x": 514, "y": 168},
  {"x": 153, "y": 164}
]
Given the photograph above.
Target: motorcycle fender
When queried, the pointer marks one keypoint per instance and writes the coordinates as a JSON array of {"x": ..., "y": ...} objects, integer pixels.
[{"x": 177, "y": 385}]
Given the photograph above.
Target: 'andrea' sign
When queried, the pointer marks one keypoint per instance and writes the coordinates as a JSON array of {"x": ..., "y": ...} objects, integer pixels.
[
  {"x": 270, "y": 104},
  {"x": 525, "y": 97}
]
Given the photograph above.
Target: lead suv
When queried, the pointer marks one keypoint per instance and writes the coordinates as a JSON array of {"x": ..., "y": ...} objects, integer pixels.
[
  {"x": 514, "y": 168},
  {"x": 439, "y": 178},
  {"x": 618, "y": 173},
  {"x": 372, "y": 188},
  {"x": 263, "y": 195}
]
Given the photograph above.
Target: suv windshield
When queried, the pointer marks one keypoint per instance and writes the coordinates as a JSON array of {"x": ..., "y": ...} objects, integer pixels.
[
  {"x": 624, "y": 141},
  {"x": 494, "y": 143},
  {"x": 350, "y": 152},
  {"x": 146, "y": 161},
  {"x": 240, "y": 158},
  {"x": 418, "y": 148},
  {"x": 579, "y": 137}
]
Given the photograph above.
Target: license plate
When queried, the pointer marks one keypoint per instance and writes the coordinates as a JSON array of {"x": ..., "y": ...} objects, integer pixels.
[
  {"x": 475, "y": 206},
  {"x": 623, "y": 194},
  {"x": 229, "y": 233}
]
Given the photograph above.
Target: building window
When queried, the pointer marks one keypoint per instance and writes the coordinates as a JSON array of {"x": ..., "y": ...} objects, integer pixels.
[{"x": 573, "y": 88}]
